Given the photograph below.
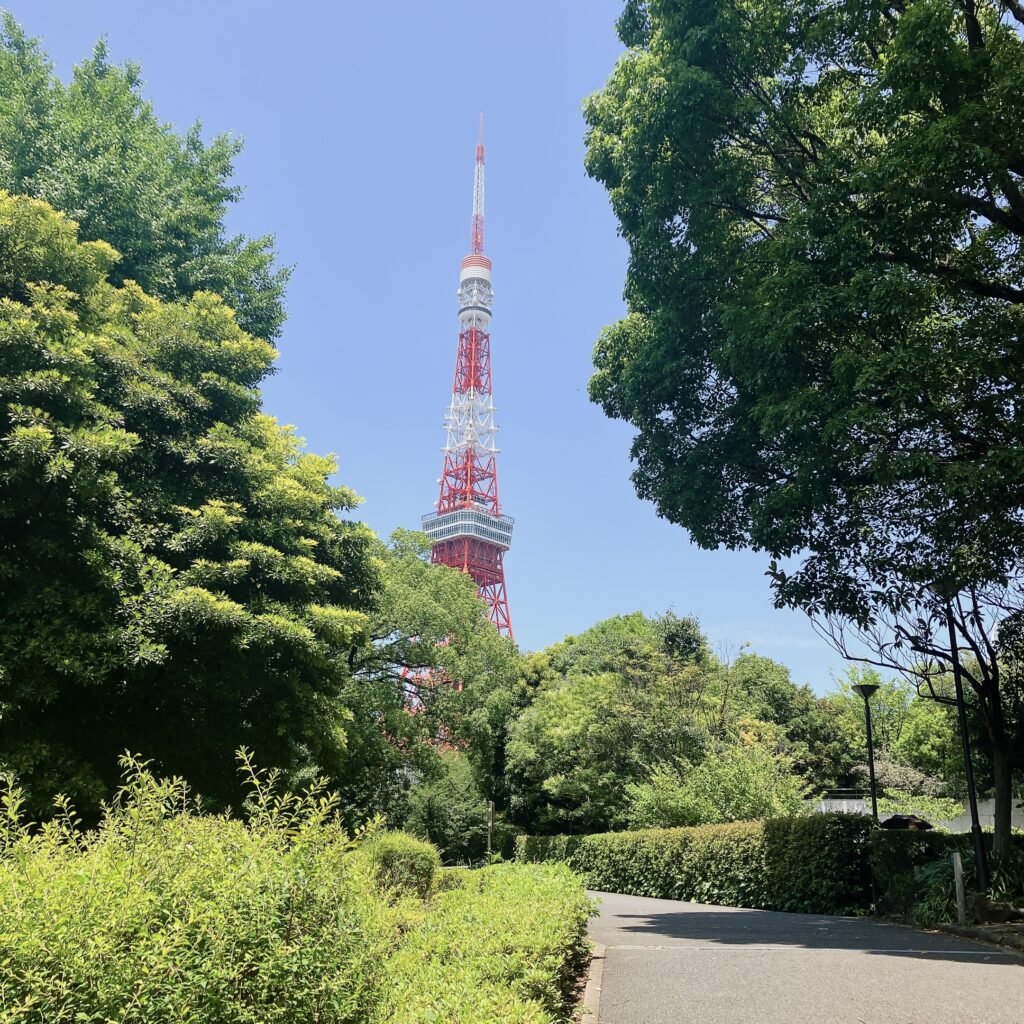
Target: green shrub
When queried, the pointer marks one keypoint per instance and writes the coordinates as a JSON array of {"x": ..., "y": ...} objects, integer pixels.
[
  {"x": 932, "y": 808},
  {"x": 934, "y": 893},
  {"x": 740, "y": 782},
  {"x": 447, "y": 809},
  {"x": 164, "y": 915},
  {"x": 914, "y": 877},
  {"x": 817, "y": 863},
  {"x": 451, "y": 878},
  {"x": 508, "y": 945},
  {"x": 402, "y": 863},
  {"x": 534, "y": 849}
]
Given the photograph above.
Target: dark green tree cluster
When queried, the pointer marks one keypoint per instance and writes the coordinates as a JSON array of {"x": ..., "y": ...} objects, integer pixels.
[
  {"x": 175, "y": 576},
  {"x": 430, "y": 676},
  {"x": 823, "y": 352}
]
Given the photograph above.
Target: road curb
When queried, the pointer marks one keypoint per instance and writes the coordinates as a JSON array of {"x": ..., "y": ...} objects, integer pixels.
[
  {"x": 592, "y": 993},
  {"x": 989, "y": 936}
]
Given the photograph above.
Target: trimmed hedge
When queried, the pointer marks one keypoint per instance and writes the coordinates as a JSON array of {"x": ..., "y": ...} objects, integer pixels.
[
  {"x": 816, "y": 864},
  {"x": 823, "y": 863},
  {"x": 508, "y": 944},
  {"x": 402, "y": 864}
]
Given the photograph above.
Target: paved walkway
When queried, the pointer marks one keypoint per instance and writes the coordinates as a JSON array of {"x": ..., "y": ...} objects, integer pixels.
[{"x": 685, "y": 963}]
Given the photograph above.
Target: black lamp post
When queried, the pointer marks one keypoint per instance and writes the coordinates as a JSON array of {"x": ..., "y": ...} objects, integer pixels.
[{"x": 865, "y": 690}]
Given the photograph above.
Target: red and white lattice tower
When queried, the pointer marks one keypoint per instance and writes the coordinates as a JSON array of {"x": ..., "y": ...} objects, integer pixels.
[{"x": 468, "y": 530}]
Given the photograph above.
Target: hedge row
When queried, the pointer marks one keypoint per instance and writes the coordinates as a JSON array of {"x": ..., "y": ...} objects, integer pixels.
[
  {"x": 817, "y": 864},
  {"x": 508, "y": 944},
  {"x": 822, "y": 863},
  {"x": 164, "y": 915}
]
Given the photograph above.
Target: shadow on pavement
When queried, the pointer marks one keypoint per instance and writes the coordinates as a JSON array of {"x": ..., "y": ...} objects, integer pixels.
[{"x": 735, "y": 927}]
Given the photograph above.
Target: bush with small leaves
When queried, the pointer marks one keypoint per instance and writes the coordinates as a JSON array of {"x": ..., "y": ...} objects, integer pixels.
[
  {"x": 164, "y": 914},
  {"x": 401, "y": 863},
  {"x": 816, "y": 863},
  {"x": 508, "y": 945}
]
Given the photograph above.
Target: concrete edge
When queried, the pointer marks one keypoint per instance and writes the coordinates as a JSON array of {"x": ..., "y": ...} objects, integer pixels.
[
  {"x": 592, "y": 993},
  {"x": 984, "y": 935}
]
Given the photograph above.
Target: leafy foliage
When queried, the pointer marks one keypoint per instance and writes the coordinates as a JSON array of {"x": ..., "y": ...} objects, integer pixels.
[
  {"x": 176, "y": 578},
  {"x": 402, "y": 863},
  {"x": 448, "y": 809},
  {"x": 824, "y": 219},
  {"x": 429, "y": 646},
  {"x": 164, "y": 914},
  {"x": 608, "y": 642},
  {"x": 506, "y": 945},
  {"x": 929, "y": 743},
  {"x": 95, "y": 150},
  {"x": 914, "y": 875},
  {"x": 816, "y": 864},
  {"x": 739, "y": 782},
  {"x": 615, "y": 721},
  {"x": 822, "y": 355},
  {"x": 932, "y": 808}
]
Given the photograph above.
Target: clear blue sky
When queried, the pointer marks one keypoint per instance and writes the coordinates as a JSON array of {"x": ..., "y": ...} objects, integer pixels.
[{"x": 360, "y": 122}]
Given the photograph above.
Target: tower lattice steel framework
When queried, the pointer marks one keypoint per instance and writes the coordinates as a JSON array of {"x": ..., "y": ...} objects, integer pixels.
[{"x": 467, "y": 527}]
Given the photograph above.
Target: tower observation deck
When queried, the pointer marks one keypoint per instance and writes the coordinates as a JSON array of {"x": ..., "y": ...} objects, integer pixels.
[{"x": 467, "y": 527}]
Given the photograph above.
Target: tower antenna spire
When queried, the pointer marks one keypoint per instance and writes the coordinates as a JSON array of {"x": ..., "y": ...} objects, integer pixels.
[
  {"x": 468, "y": 529},
  {"x": 477, "y": 233}
]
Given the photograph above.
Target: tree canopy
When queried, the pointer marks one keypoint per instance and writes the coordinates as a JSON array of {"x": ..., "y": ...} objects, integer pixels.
[
  {"x": 96, "y": 150},
  {"x": 635, "y": 722},
  {"x": 176, "y": 579},
  {"x": 429, "y": 672},
  {"x": 823, "y": 352},
  {"x": 826, "y": 287}
]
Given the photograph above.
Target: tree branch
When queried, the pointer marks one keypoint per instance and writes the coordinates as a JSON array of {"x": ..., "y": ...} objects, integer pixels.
[
  {"x": 985, "y": 289},
  {"x": 1016, "y": 8}
]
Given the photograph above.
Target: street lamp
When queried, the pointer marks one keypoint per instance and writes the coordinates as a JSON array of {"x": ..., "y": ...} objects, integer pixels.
[{"x": 865, "y": 690}]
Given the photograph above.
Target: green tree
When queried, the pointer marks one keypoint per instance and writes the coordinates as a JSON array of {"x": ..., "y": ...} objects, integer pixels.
[
  {"x": 820, "y": 735},
  {"x": 447, "y": 808},
  {"x": 742, "y": 781},
  {"x": 823, "y": 353},
  {"x": 890, "y": 705},
  {"x": 95, "y": 150},
  {"x": 626, "y": 701},
  {"x": 175, "y": 576},
  {"x": 595, "y": 649},
  {"x": 598, "y": 714},
  {"x": 930, "y": 743},
  {"x": 570, "y": 757},
  {"x": 826, "y": 744},
  {"x": 428, "y": 648}
]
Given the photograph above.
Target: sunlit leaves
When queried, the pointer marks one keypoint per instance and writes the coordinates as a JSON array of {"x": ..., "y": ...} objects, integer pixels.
[{"x": 176, "y": 576}]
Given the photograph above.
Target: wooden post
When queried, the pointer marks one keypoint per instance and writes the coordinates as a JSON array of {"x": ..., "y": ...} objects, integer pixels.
[
  {"x": 961, "y": 896},
  {"x": 490, "y": 826}
]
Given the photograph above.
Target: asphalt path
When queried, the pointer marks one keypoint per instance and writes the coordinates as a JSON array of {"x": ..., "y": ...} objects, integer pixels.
[{"x": 685, "y": 963}]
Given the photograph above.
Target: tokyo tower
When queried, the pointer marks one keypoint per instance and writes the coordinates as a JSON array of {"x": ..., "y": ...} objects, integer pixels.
[{"x": 467, "y": 527}]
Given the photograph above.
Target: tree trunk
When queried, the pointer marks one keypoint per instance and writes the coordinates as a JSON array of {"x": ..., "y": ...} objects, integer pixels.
[{"x": 1002, "y": 772}]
